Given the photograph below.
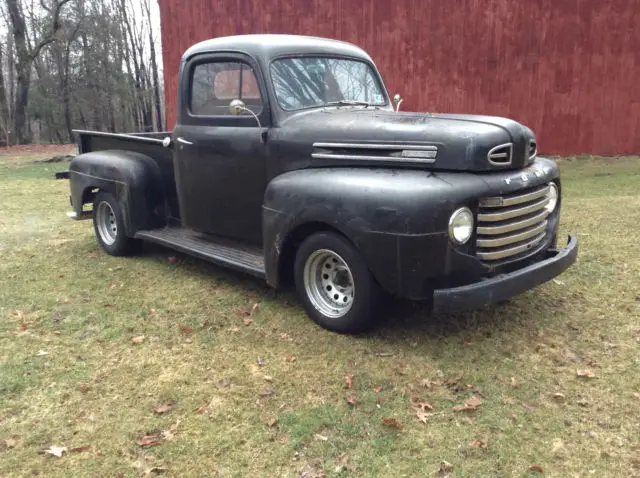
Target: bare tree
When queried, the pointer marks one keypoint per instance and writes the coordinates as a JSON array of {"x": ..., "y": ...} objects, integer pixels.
[{"x": 26, "y": 52}]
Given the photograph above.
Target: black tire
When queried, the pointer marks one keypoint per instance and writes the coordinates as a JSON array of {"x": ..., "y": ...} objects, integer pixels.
[
  {"x": 108, "y": 224},
  {"x": 367, "y": 294}
]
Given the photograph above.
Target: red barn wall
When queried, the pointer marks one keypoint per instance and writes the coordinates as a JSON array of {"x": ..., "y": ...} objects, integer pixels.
[{"x": 569, "y": 69}]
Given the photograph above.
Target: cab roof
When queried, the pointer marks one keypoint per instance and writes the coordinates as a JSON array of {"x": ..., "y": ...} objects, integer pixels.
[{"x": 267, "y": 47}]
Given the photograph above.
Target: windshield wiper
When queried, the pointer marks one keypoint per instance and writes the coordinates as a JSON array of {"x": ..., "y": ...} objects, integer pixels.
[{"x": 347, "y": 103}]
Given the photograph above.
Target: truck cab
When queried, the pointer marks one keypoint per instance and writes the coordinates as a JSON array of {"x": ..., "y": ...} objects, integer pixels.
[{"x": 291, "y": 162}]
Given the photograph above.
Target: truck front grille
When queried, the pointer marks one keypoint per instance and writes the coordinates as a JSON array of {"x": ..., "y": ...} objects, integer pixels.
[{"x": 512, "y": 225}]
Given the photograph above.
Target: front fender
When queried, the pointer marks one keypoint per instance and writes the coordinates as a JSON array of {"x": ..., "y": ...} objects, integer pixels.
[
  {"x": 133, "y": 178},
  {"x": 373, "y": 208},
  {"x": 396, "y": 218}
]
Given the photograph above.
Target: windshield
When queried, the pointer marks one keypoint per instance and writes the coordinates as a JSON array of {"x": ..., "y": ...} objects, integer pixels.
[{"x": 318, "y": 81}]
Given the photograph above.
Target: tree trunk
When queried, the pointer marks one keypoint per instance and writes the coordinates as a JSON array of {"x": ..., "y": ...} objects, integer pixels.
[
  {"x": 154, "y": 73},
  {"x": 25, "y": 56},
  {"x": 23, "y": 71}
]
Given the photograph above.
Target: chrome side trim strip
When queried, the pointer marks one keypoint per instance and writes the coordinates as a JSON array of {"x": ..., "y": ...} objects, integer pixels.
[
  {"x": 420, "y": 147},
  {"x": 495, "y": 230},
  {"x": 500, "y": 201},
  {"x": 395, "y": 159},
  {"x": 504, "y": 241},
  {"x": 492, "y": 154},
  {"x": 501, "y": 254},
  {"x": 503, "y": 215}
]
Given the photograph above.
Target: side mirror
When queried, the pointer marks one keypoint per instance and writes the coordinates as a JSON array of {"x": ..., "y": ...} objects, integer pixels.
[
  {"x": 397, "y": 99},
  {"x": 237, "y": 106}
]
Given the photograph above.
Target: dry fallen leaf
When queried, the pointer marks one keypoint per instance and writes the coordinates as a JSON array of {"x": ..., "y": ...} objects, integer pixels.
[
  {"x": 445, "y": 469},
  {"x": 418, "y": 405},
  {"x": 149, "y": 440},
  {"x": 536, "y": 468},
  {"x": 585, "y": 374},
  {"x": 452, "y": 382},
  {"x": 559, "y": 397},
  {"x": 163, "y": 408},
  {"x": 78, "y": 449},
  {"x": 138, "y": 340},
  {"x": 377, "y": 388},
  {"x": 172, "y": 259},
  {"x": 321, "y": 437},
  {"x": 352, "y": 400},
  {"x": 10, "y": 442},
  {"x": 471, "y": 404},
  {"x": 349, "y": 380},
  {"x": 391, "y": 423},
  {"x": 56, "y": 450},
  {"x": 272, "y": 422},
  {"x": 83, "y": 387},
  {"x": 343, "y": 463},
  {"x": 428, "y": 384},
  {"x": 478, "y": 444},
  {"x": 291, "y": 358},
  {"x": 155, "y": 470},
  {"x": 248, "y": 322},
  {"x": 266, "y": 392},
  {"x": 170, "y": 433},
  {"x": 41, "y": 353},
  {"x": 203, "y": 411},
  {"x": 254, "y": 307},
  {"x": 268, "y": 378}
]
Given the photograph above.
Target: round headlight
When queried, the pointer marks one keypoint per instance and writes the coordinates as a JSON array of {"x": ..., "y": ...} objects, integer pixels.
[
  {"x": 461, "y": 225},
  {"x": 552, "y": 196}
]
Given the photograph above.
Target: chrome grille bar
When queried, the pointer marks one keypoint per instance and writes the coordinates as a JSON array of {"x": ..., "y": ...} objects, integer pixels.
[
  {"x": 512, "y": 225},
  {"x": 513, "y": 200},
  {"x": 511, "y": 213},
  {"x": 521, "y": 236},
  {"x": 512, "y": 251}
]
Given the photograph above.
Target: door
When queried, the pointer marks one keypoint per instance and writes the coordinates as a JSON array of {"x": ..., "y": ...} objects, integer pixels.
[{"x": 220, "y": 158}]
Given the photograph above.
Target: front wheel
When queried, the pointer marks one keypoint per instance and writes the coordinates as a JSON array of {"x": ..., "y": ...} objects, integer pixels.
[
  {"x": 108, "y": 224},
  {"x": 335, "y": 285}
]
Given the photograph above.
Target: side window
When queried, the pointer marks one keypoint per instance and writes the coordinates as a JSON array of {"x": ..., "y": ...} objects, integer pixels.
[{"x": 214, "y": 85}]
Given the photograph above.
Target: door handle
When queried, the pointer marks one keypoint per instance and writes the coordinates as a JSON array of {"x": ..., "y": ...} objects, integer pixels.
[{"x": 183, "y": 141}]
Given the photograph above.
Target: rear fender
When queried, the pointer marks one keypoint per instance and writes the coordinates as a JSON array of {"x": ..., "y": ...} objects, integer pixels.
[{"x": 132, "y": 178}]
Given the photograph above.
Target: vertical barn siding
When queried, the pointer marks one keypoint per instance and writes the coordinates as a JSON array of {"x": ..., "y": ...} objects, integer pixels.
[{"x": 569, "y": 69}]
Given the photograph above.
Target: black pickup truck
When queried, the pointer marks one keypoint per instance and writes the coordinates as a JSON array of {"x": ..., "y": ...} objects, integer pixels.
[{"x": 291, "y": 162}]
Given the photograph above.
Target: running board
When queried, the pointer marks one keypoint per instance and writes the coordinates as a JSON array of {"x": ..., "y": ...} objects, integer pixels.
[{"x": 212, "y": 249}]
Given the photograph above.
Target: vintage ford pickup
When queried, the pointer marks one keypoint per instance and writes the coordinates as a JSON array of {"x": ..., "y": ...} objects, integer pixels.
[{"x": 289, "y": 161}]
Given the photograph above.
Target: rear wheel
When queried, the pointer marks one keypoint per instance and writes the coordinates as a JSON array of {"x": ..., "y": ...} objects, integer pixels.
[
  {"x": 108, "y": 224},
  {"x": 335, "y": 285}
]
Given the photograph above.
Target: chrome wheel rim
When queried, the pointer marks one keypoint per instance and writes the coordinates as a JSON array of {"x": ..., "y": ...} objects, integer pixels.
[
  {"x": 328, "y": 283},
  {"x": 106, "y": 223}
]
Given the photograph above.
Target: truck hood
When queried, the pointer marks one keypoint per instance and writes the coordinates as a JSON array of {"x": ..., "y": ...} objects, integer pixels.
[{"x": 356, "y": 135}]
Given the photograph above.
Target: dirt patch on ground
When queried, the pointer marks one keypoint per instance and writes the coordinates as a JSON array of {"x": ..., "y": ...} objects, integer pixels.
[{"x": 25, "y": 149}]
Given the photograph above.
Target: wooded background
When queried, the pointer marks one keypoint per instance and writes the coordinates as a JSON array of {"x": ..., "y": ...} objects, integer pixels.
[
  {"x": 569, "y": 69},
  {"x": 77, "y": 64}
]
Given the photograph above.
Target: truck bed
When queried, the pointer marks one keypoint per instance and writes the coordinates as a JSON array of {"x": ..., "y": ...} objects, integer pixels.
[{"x": 149, "y": 144}]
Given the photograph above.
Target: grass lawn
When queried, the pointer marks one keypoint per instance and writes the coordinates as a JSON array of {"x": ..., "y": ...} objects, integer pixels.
[{"x": 244, "y": 384}]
